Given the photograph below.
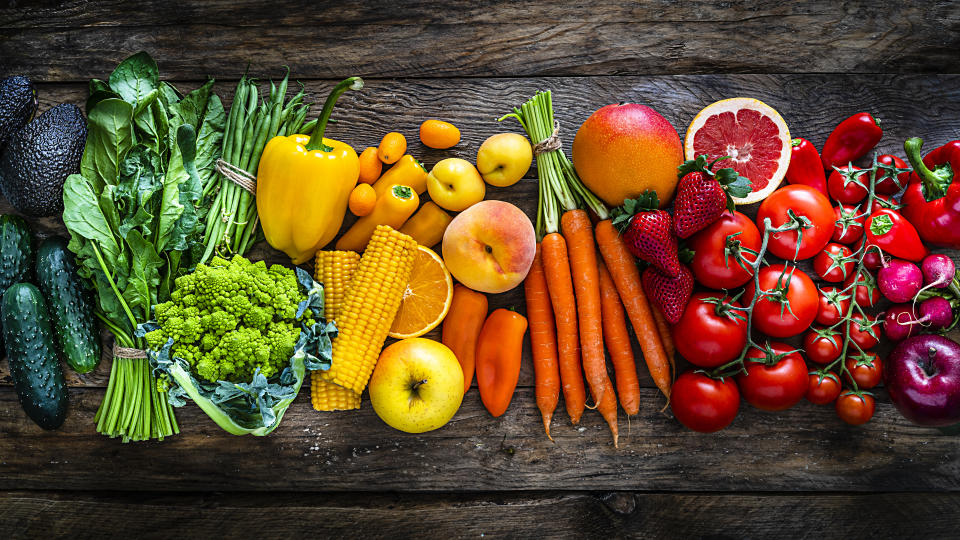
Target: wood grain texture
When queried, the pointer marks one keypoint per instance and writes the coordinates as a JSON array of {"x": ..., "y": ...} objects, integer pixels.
[
  {"x": 75, "y": 40},
  {"x": 924, "y": 105},
  {"x": 804, "y": 448},
  {"x": 522, "y": 515}
]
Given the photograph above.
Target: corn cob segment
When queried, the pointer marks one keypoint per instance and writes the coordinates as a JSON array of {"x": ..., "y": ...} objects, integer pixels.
[
  {"x": 371, "y": 303},
  {"x": 333, "y": 269}
]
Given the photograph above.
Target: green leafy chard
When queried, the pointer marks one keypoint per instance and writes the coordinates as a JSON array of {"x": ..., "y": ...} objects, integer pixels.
[{"x": 135, "y": 216}]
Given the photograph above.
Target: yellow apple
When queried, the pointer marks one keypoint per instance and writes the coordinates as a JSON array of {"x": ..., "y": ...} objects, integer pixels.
[
  {"x": 417, "y": 385},
  {"x": 504, "y": 158},
  {"x": 455, "y": 184}
]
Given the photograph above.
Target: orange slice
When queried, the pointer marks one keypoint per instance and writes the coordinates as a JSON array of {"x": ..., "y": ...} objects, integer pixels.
[
  {"x": 427, "y": 298},
  {"x": 751, "y": 133}
]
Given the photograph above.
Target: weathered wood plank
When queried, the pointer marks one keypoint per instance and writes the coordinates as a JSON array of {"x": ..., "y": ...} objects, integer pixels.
[
  {"x": 57, "y": 41},
  {"x": 812, "y": 104},
  {"x": 520, "y": 515},
  {"x": 803, "y": 449}
]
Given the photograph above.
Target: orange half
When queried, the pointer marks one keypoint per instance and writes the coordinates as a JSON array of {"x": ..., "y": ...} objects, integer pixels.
[{"x": 426, "y": 299}]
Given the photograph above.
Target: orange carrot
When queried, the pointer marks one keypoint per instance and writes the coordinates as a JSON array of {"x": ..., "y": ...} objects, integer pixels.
[
  {"x": 623, "y": 270},
  {"x": 578, "y": 232},
  {"x": 663, "y": 327},
  {"x": 556, "y": 268},
  {"x": 618, "y": 343},
  {"x": 543, "y": 341}
]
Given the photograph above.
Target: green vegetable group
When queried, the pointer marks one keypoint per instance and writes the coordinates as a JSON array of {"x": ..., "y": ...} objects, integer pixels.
[{"x": 230, "y": 318}]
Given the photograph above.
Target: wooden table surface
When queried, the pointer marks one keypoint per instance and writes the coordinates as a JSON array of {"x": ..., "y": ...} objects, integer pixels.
[{"x": 797, "y": 473}]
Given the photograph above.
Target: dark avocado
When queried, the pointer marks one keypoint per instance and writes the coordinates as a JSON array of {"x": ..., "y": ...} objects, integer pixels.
[
  {"x": 18, "y": 103},
  {"x": 39, "y": 157}
]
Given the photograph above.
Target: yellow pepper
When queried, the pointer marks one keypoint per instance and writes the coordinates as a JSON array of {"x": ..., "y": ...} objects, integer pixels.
[
  {"x": 406, "y": 172},
  {"x": 303, "y": 184},
  {"x": 427, "y": 225},
  {"x": 393, "y": 209}
]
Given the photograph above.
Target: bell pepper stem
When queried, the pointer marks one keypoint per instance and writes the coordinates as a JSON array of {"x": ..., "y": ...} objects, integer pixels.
[
  {"x": 932, "y": 180},
  {"x": 316, "y": 138}
]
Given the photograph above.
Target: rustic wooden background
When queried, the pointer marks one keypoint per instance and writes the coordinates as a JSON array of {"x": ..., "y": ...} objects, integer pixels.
[{"x": 797, "y": 473}]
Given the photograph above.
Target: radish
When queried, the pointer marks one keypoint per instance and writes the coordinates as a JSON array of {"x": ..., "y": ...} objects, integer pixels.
[
  {"x": 899, "y": 280},
  {"x": 938, "y": 271},
  {"x": 900, "y": 322},
  {"x": 935, "y": 313}
]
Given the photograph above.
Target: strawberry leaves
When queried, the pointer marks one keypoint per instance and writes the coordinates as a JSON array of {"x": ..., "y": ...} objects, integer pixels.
[{"x": 734, "y": 185}]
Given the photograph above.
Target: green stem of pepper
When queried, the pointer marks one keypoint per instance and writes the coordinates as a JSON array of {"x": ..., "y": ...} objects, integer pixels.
[{"x": 316, "y": 139}]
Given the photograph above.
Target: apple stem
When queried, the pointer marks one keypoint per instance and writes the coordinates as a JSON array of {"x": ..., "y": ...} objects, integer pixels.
[{"x": 417, "y": 384}]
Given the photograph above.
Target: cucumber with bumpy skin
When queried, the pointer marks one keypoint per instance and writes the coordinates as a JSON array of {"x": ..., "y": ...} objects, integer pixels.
[
  {"x": 32, "y": 355},
  {"x": 70, "y": 305},
  {"x": 16, "y": 252}
]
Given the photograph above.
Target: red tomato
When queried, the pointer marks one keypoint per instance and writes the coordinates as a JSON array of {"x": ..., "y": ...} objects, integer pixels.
[
  {"x": 865, "y": 369},
  {"x": 883, "y": 201},
  {"x": 865, "y": 332},
  {"x": 848, "y": 189},
  {"x": 849, "y": 224},
  {"x": 803, "y": 201},
  {"x": 872, "y": 259},
  {"x": 823, "y": 388},
  {"x": 833, "y": 305},
  {"x": 822, "y": 345},
  {"x": 710, "y": 333},
  {"x": 792, "y": 286},
  {"x": 887, "y": 184},
  {"x": 715, "y": 250},
  {"x": 774, "y": 387},
  {"x": 868, "y": 294},
  {"x": 834, "y": 263},
  {"x": 704, "y": 404},
  {"x": 855, "y": 409}
]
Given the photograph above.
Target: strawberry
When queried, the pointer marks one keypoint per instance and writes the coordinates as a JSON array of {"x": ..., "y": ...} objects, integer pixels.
[
  {"x": 703, "y": 195},
  {"x": 648, "y": 232},
  {"x": 670, "y": 294}
]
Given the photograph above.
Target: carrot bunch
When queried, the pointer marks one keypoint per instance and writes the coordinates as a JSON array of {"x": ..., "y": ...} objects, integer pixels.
[{"x": 573, "y": 303}]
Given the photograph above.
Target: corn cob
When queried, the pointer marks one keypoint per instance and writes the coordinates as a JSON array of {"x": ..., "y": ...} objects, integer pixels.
[
  {"x": 333, "y": 269},
  {"x": 371, "y": 303}
]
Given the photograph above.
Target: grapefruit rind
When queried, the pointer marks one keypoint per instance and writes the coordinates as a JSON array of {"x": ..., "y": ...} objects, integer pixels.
[{"x": 734, "y": 105}]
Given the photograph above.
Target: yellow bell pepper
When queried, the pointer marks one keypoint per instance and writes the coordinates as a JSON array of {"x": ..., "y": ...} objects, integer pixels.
[
  {"x": 406, "y": 172},
  {"x": 303, "y": 185},
  {"x": 393, "y": 209},
  {"x": 427, "y": 225}
]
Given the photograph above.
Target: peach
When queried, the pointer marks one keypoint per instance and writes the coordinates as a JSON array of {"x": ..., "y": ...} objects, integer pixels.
[{"x": 489, "y": 247}]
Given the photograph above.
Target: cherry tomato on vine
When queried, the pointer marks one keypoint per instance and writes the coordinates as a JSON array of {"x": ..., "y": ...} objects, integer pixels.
[
  {"x": 774, "y": 387},
  {"x": 834, "y": 263},
  {"x": 865, "y": 369},
  {"x": 801, "y": 201},
  {"x": 833, "y": 304},
  {"x": 822, "y": 345},
  {"x": 704, "y": 404},
  {"x": 886, "y": 183},
  {"x": 822, "y": 388},
  {"x": 864, "y": 331},
  {"x": 849, "y": 224},
  {"x": 883, "y": 201},
  {"x": 867, "y": 293},
  {"x": 715, "y": 250},
  {"x": 782, "y": 284},
  {"x": 872, "y": 259},
  {"x": 855, "y": 409},
  {"x": 848, "y": 189},
  {"x": 711, "y": 331}
]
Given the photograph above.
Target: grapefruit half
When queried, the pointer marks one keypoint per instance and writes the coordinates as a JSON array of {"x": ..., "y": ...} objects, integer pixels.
[{"x": 752, "y": 133}]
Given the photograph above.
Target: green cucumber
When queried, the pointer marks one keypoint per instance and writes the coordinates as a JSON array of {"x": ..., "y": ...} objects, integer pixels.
[
  {"x": 16, "y": 252},
  {"x": 70, "y": 304},
  {"x": 32, "y": 355}
]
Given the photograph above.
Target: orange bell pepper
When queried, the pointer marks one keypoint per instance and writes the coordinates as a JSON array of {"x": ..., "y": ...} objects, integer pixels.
[
  {"x": 461, "y": 328},
  {"x": 499, "y": 348},
  {"x": 406, "y": 172}
]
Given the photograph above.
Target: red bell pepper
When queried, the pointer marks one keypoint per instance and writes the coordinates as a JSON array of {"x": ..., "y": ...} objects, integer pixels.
[
  {"x": 805, "y": 166},
  {"x": 932, "y": 200},
  {"x": 851, "y": 139},
  {"x": 892, "y": 233}
]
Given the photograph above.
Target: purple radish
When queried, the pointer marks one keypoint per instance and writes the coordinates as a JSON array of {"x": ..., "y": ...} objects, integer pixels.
[
  {"x": 900, "y": 322},
  {"x": 935, "y": 313},
  {"x": 938, "y": 271},
  {"x": 899, "y": 280}
]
